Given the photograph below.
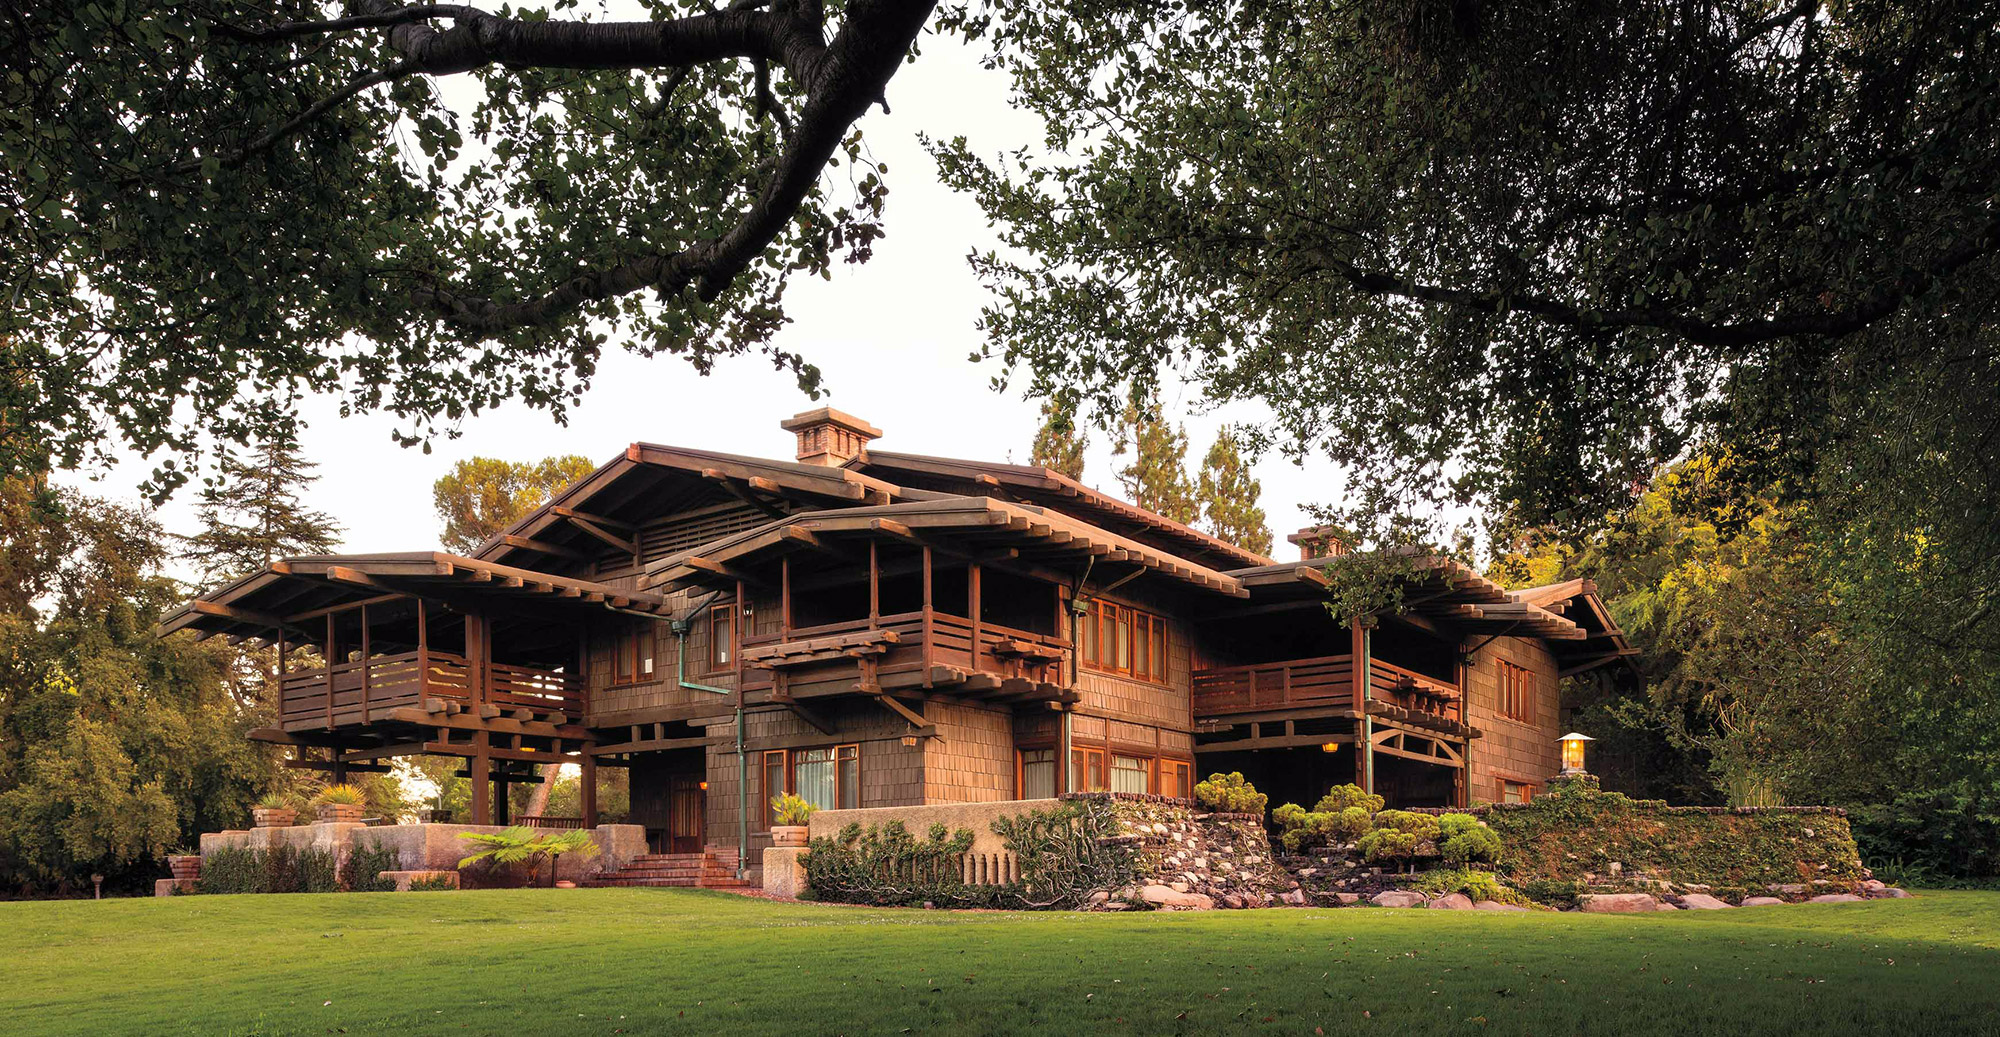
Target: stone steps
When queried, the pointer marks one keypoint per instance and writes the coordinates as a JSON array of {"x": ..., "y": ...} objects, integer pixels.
[{"x": 711, "y": 869}]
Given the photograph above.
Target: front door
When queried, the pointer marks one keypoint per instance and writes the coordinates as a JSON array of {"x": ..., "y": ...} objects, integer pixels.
[{"x": 687, "y": 809}]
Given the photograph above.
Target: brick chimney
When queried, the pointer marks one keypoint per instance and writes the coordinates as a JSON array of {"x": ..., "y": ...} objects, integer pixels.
[
  {"x": 1320, "y": 542},
  {"x": 830, "y": 437}
]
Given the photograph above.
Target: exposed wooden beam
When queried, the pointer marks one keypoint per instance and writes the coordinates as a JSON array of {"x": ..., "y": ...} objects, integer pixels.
[{"x": 543, "y": 547}]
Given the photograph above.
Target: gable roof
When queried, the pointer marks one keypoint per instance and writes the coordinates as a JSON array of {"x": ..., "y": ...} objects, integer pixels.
[
  {"x": 1603, "y": 642},
  {"x": 1037, "y": 485}
]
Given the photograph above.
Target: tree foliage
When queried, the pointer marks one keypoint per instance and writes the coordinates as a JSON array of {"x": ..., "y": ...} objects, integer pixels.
[
  {"x": 115, "y": 745},
  {"x": 481, "y": 496},
  {"x": 1228, "y": 495},
  {"x": 251, "y": 514},
  {"x": 1059, "y": 441},
  {"x": 432, "y": 208},
  {"x": 1518, "y": 256},
  {"x": 1156, "y": 476}
]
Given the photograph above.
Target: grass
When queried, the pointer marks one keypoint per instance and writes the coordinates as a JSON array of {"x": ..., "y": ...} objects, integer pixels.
[{"x": 644, "y": 961}]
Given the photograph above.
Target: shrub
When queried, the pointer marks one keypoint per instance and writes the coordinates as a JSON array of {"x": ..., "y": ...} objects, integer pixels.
[
  {"x": 1476, "y": 885},
  {"x": 431, "y": 885},
  {"x": 346, "y": 795},
  {"x": 1464, "y": 839},
  {"x": 884, "y": 864},
  {"x": 1399, "y": 835},
  {"x": 1230, "y": 794},
  {"x": 513, "y": 856},
  {"x": 1340, "y": 816},
  {"x": 788, "y": 809},
  {"x": 233, "y": 871},
  {"x": 365, "y": 864},
  {"x": 285, "y": 869}
]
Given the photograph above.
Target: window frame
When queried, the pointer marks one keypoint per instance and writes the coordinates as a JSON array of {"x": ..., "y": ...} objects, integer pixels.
[
  {"x": 629, "y": 647},
  {"x": 1501, "y": 785},
  {"x": 725, "y": 659},
  {"x": 1080, "y": 757},
  {"x": 1144, "y": 770},
  {"x": 1021, "y": 770},
  {"x": 1517, "y": 693},
  {"x": 1183, "y": 780},
  {"x": 1112, "y": 630},
  {"x": 787, "y": 760}
]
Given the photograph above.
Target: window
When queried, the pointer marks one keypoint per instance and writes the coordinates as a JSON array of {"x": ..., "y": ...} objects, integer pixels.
[
  {"x": 1086, "y": 770},
  {"x": 632, "y": 656},
  {"x": 828, "y": 777},
  {"x": 721, "y": 637},
  {"x": 1123, "y": 640},
  {"x": 1517, "y": 693},
  {"x": 1177, "y": 779},
  {"x": 1131, "y": 774},
  {"x": 1515, "y": 791},
  {"x": 1038, "y": 774}
]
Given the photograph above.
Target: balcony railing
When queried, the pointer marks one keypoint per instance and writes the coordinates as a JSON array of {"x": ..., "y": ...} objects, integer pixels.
[
  {"x": 929, "y": 640},
  {"x": 360, "y": 692},
  {"x": 1323, "y": 682}
]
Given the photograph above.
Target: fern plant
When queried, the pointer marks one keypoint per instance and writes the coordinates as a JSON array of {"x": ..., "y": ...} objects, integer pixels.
[{"x": 522, "y": 847}]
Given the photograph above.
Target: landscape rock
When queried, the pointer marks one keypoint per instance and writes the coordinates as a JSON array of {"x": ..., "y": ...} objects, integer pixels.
[
  {"x": 1451, "y": 902},
  {"x": 1398, "y": 898},
  {"x": 1703, "y": 902},
  {"x": 1889, "y": 893},
  {"x": 1166, "y": 896},
  {"x": 1495, "y": 905},
  {"x": 1760, "y": 901},
  {"x": 1618, "y": 903},
  {"x": 1347, "y": 899},
  {"x": 1836, "y": 898},
  {"x": 1295, "y": 897}
]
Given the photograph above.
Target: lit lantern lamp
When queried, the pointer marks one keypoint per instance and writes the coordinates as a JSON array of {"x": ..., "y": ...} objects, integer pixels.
[
  {"x": 1329, "y": 747},
  {"x": 1572, "y": 752}
]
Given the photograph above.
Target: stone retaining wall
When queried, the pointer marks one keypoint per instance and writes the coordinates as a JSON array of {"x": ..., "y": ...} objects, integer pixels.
[
  {"x": 425, "y": 847},
  {"x": 1190, "y": 858}
]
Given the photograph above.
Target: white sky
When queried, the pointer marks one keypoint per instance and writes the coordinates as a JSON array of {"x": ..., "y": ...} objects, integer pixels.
[{"x": 892, "y": 337}]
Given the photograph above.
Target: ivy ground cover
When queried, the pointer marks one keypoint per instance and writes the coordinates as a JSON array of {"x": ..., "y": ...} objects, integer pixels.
[{"x": 645, "y": 961}]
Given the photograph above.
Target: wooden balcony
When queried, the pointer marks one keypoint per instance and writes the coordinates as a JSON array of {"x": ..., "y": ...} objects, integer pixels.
[
  {"x": 924, "y": 649},
  {"x": 364, "y": 692},
  {"x": 1326, "y": 682}
]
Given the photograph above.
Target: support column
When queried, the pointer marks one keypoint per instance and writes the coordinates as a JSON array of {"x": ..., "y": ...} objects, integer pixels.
[
  {"x": 589, "y": 789},
  {"x": 482, "y": 785},
  {"x": 1364, "y": 747},
  {"x": 502, "y": 799}
]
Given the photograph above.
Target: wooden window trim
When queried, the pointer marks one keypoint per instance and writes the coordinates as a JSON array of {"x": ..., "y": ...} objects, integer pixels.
[
  {"x": 1021, "y": 768},
  {"x": 1500, "y": 789},
  {"x": 719, "y": 615},
  {"x": 629, "y": 656},
  {"x": 1099, "y": 653},
  {"x": 788, "y": 761},
  {"x": 1517, "y": 693}
]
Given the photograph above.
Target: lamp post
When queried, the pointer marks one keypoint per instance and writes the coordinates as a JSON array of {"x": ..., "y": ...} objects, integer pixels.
[{"x": 1572, "y": 752}]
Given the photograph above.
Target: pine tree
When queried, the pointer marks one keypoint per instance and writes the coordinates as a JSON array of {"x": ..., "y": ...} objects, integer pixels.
[
  {"x": 481, "y": 496},
  {"x": 1156, "y": 479},
  {"x": 252, "y": 515},
  {"x": 1059, "y": 443},
  {"x": 1229, "y": 494}
]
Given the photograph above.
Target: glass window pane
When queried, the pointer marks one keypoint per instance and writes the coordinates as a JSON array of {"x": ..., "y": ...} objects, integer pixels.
[
  {"x": 1124, "y": 662},
  {"x": 848, "y": 765},
  {"x": 1090, "y": 636},
  {"x": 774, "y": 783},
  {"x": 1128, "y": 774},
  {"x": 813, "y": 777},
  {"x": 1038, "y": 774},
  {"x": 1142, "y": 650},
  {"x": 1159, "y": 649}
]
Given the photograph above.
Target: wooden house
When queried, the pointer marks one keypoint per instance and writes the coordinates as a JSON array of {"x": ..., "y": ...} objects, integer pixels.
[{"x": 868, "y": 628}]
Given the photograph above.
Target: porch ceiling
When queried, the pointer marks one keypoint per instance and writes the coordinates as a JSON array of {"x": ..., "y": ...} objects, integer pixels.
[
  {"x": 290, "y": 594},
  {"x": 974, "y": 528},
  {"x": 1440, "y": 590}
]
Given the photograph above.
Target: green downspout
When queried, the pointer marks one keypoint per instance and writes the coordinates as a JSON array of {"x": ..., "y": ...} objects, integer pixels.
[
  {"x": 1367, "y": 719},
  {"x": 680, "y": 629}
]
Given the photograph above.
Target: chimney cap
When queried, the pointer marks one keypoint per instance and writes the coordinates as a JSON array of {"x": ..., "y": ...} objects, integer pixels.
[
  {"x": 828, "y": 416},
  {"x": 1321, "y": 541}
]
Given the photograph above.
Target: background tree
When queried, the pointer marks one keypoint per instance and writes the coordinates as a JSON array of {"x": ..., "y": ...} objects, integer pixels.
[
  {"x": 115, "y": 745},
  {"x": 1228, "y": 495},
  {"x": 1156, "y": 477},
  {"x": 251, "y": 514},
  {"x": 220, "y": 193},
  {"x": 1515, "y": 258},
  {"x": 1059, "y": 442},
  {"x": 481, "y": 496}
]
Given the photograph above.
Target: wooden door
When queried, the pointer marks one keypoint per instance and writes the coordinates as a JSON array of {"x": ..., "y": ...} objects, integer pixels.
[{"x": 687, "y": 809}]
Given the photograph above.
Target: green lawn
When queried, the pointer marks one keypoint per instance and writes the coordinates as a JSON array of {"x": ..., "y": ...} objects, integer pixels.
[{"x": 642, "y": 961}]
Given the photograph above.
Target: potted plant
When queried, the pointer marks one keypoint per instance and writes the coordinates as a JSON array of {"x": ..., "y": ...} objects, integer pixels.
[
  {"x": 340, "y": 803},
  {"x": 789, "y": 817},
  {"x": 275, "y": 810},
  {"x": 185, "y": 866}
]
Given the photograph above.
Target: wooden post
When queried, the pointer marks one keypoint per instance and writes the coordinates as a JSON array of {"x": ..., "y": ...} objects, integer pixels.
[
  {"x": 874, "y": 585},
  {"x": 423, "y": 657},
  {"x": 589, "y": 788},
  {"x": 972, "y": 608},
  {"x": 337, "y": 769},
  {"x": 364, "y": 664},
  {"x": 785, "y": 598},
  {"x": 501, "y": 800},
  {"x": 1364, "y": 745},
  {"x": 482, "y": 786},
  {"x": 1463, "y": 779},
  {"x": 929, "y": 639},
  {"x": 329, "y": 669},
  {"x": 475, "y": 657}
]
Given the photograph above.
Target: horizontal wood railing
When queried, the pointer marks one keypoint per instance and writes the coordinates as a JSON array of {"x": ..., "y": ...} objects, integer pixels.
[
  {"x": 1325, "y": 681},
  {"x": 357, "y": 692},
  {"x": 936, "y": 639}
]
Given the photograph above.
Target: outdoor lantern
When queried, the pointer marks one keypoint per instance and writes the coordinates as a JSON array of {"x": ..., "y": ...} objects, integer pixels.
[
  {"x": 1572, "y": 746},
  {"x": 1329, "y": 747}
]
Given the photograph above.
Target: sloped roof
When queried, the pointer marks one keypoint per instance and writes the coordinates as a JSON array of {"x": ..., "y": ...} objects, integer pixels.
[
  {"x": 1038, "y": 485},
  {"x": 973, "y": 525},
  {"x": 1438, "y": 588}
]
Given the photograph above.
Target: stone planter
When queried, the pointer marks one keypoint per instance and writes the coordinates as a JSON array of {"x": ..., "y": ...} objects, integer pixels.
[
  {"x": 341, "y": 813},
  {"x": 273, "y": 817},
  {"x": 789, "y": 835},
  {"x": 185, "y": 868}
]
